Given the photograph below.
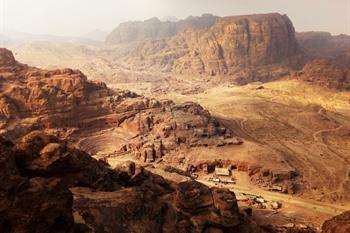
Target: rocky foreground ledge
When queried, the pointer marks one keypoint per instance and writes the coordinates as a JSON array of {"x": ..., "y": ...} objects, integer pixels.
[{"x": 49, "y": 186}]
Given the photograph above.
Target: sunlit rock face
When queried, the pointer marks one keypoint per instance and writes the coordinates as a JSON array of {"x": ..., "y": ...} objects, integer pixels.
[
  {"x": 246, "y": 41},
  {"x": 250, "y": 48},
  {"x": 66, "y": 102}
]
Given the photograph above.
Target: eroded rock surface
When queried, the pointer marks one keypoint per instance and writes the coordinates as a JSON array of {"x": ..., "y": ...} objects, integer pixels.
[
  {"x": 328, "y": 59},
  {"x": 31, "y": 204},
  {"x": 66, "y": 103},
  {"x": 252, "y": 48},
  {"x": 39, "y": 182},
  {"x": 338, "y": 224},
  {"x": 332, "y": 74}
]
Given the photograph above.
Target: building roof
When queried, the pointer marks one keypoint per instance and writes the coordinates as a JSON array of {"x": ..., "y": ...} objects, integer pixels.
[{"x": 222, "y": 171}]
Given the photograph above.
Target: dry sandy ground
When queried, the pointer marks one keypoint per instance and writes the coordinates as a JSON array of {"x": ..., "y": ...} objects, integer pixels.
[{"x": 288, "y": 124}]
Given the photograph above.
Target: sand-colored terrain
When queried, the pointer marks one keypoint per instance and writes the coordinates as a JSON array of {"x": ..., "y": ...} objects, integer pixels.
[{"x": 287, "y": 126}]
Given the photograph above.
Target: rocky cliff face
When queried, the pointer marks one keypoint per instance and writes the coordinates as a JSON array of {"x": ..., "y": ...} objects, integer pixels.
[
  {"x": 55, "y": 96},
  {"x": 31, "y": 204},
  {"x": 338, "y": 224},
  {"x": 153, "y": 29},
  {"x": 66, "y": 103},
  {"x": 49, "y": 186},
  {"x": 250, "y": 48}
]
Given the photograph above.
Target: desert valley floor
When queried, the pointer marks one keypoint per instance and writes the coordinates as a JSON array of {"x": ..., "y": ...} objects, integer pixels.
[{"x": 286, "y": 125}]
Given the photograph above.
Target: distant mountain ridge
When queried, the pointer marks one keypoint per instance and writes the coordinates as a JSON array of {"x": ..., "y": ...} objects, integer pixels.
[
  {"x": 323, "y": 44},
  {"x": 242, "y": 49},
  {"x": 154, "y": 28},
  {"x": 97, "y": 35}
]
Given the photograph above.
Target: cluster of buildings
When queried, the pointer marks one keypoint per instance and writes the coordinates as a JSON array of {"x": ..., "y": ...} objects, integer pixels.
[
  {"x": 259, "y": 201},
  {"x": 224, "y": 176}
]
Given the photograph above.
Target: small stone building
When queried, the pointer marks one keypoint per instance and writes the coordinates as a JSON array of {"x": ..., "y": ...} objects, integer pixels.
[{"x": 222, "y": 172}]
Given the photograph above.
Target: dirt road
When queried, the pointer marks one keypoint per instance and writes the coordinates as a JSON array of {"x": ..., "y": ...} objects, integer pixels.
[{"x": 314, "y": 206}]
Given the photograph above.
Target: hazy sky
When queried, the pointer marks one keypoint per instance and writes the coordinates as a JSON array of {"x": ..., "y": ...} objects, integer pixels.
[{"x": 76, "y": 17}]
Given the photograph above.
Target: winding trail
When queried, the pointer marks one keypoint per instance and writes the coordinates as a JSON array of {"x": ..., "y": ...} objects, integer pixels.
[
  {"x": 320, "y": 132},
  {"x": 318, "y": 138},
  {"x": 244, "y": 120}
]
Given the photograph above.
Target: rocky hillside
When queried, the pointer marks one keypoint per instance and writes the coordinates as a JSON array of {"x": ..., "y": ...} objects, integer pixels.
[
  {"x": 49, "y": 186},
  {"x": 248, "y": 48},
  {"x": 215, "y": 50},
  {"x": 338, "y": 224},
  {"x": 328, "y": 59},
  {"x": 326, "y": 73},
  {"x": 154, "y": 28},
  {"x": 323, "y": 44},
  {"x": 64, "y": 102}
]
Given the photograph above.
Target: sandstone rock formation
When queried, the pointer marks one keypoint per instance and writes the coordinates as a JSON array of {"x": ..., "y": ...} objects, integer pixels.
[
  {"x": 328, "y": 59},
  {"x": 338, "y": 224},
  {"x": 31, "y": 204},
  {"x": 333, "y": 74},
  {"x": 40, "y": 174},
  {"x": 154, "y": 28},
  {"x": 64, "y": 102},
  {"x": 251, "y": 48}
]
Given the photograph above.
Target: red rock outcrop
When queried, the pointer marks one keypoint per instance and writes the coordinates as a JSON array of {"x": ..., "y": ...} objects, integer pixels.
[
  {"x": 333, "y": 74},
  {"x": 31, "y": 204},
  {"x": 40, "y": 174},
  {"x": 252, "y": 48},
  {"x": 338, "y": 224},
  {"x": 6, "y": 59},
  {"x": 65, "y": 102},
  {"x": 327, "y": 59}
]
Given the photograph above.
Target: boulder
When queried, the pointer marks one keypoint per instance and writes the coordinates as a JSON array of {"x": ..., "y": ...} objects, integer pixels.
[
  {"x": 193, "y": 197},
  {"x": 31, "y": 204},
  {"x": 62, "y": 189},
  {"x": 338, "y": 224}
]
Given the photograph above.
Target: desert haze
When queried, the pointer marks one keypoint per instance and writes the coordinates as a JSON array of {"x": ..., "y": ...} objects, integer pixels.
[{"x": 232, "y": 121}]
